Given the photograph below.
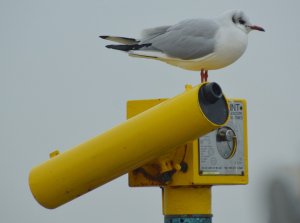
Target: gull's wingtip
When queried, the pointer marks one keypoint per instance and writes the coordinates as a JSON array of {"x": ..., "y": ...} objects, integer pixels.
[{"x": 103, "y": 37}]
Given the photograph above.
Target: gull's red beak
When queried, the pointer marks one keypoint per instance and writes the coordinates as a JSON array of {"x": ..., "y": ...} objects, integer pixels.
[{"x": 257, "y": 28}]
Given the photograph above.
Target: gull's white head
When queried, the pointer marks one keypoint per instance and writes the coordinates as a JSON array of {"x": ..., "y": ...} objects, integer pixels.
[{"x": 240, "y": 20}]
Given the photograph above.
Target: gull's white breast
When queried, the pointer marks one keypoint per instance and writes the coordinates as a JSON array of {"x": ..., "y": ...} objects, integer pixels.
[{"x": 231, "y": 43}]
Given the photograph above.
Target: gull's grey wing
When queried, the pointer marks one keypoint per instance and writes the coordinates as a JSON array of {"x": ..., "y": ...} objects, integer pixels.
[
  {"x": 189, "y": 39},
  {"x": 148, "y": 34}
]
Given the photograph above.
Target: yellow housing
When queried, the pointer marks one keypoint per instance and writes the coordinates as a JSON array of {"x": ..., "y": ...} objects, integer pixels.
[
  {"x": 147, "y": 175},
  {"x": 129, "y": 145}
]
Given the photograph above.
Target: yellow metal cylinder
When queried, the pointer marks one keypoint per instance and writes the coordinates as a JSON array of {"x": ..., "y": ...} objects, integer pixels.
[
  {"x": 187, "y": 200},
  {"x": 123, "y": 148}
]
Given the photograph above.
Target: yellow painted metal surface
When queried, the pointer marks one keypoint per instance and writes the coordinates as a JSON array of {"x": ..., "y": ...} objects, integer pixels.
[
  {"x": 188, "y": 153},
  {"x": 186, "y": 200},
  {"x": 131, "y": 144}
]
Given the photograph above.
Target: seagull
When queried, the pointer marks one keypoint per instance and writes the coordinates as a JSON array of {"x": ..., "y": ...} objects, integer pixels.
[{"x": 193, "y": 44}]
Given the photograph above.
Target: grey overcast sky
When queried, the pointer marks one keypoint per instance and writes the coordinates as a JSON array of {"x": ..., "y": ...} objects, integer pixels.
[{"x": 59, "y": 86}]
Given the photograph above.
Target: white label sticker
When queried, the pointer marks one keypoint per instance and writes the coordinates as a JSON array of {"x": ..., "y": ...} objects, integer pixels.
[{"x": 221, "y": 152}]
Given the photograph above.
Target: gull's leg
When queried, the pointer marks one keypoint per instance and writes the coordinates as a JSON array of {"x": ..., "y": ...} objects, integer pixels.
[{"x": 204, "y": 75}]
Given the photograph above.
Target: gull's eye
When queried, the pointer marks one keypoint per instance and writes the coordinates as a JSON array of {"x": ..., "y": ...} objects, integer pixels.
[{"x": 241, "y": 21}]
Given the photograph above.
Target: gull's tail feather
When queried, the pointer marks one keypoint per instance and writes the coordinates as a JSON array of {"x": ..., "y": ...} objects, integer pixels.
[
  {"x": 119, "y": 39},
  {"x": 127, "y": 48}
]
